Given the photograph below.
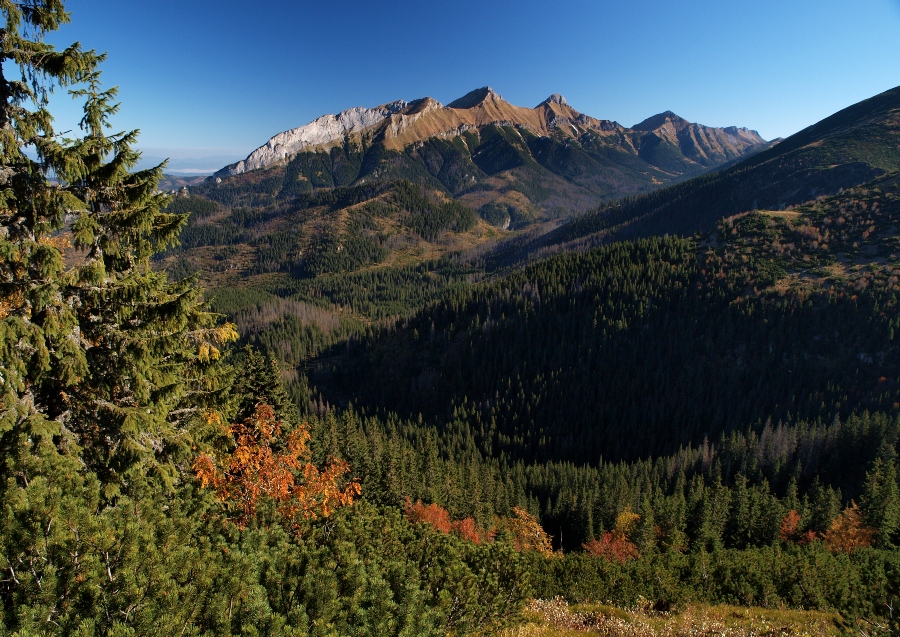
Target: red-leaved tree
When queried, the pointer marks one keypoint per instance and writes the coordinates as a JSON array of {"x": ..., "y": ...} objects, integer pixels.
[
  {"x": 438, "y": 518},
  {"x": 614, "y": 545},
  {"x": 790, "y": 527},
  {"x": 431, "y": 514},
  {"x": 468, "y": 530}
]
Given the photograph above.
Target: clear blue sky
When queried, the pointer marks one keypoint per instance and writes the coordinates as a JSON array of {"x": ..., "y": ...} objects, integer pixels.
[{"x": 214, "y": 80}]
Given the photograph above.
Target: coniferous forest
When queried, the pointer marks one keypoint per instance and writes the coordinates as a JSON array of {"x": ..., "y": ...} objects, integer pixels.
[{"x": 272, "y": 407}]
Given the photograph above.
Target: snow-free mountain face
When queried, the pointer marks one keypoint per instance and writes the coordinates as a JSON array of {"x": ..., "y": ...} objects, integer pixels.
[
  {"x": 704, "y": 145},
  {"x": 319, "y": 133},
  {"x": 600, "y": 157}
]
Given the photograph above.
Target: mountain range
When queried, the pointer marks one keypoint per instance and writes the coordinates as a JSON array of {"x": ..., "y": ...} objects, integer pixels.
[
  {"x": 362, "y": 204},
  {"x": 856, "y": 144},
  {"x": 550, "y": 160}
]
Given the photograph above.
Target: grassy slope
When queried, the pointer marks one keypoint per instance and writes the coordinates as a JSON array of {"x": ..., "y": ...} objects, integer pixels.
[{"x": 555, "y": 618}]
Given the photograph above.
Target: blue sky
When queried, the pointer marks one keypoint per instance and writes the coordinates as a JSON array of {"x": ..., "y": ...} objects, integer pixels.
[{"x": 210, "y": 81}]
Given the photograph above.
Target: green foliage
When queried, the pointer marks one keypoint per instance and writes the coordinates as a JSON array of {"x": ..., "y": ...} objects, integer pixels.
[
  {"x": 449, "y": 161},
  {"x": 496, "y": 214},
  {"x": 345, "y": 254},
  {"x": 163, "y": 564},
  {"x": 733, "y": 494},
  {"x": 862, "y": 585},
  {"x": 314, "y": 234},
  {"x": 563, "y": 158},
  {"x": 199, "y": 207},
  {"x": 379, "y": 293},
  {"x": 383, "y": 165},
  {"x": 501, "y": 149},
  {"x": 657, "y": 151},
  {"x": 575, "y": 354},
  {"x": 277, "y": 253},
  {"x": 428, "y": 217},
  {"x": 881, "y": 501},
  {"x": 106, "y": 351}
]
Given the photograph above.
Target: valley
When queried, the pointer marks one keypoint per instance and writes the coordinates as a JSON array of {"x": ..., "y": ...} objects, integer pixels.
[{"x": 546, "y": 364}]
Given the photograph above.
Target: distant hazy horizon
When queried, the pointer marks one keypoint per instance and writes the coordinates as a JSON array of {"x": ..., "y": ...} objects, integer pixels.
[{"x": 190, "y": 161}]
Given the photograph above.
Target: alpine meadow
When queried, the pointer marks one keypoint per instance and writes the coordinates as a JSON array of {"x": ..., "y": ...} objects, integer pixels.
[{"x": 453, "y": 370}]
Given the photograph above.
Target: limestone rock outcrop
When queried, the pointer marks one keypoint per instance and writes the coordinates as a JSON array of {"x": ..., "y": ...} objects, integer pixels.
[{"x": 326, "y": 130}]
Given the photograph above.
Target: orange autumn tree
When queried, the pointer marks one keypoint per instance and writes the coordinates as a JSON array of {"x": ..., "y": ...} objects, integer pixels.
[
  {"x": 527, "y": 532},
  {"x": 789, "y": 531},
  {"x": 468, "y": 530},
  {"x": 433, "y": 515},
  {"x": 614, "y": 545},
  {"x": 438, "y": 518},
  {"x": 848, "y": 532},
  {"x": 262, "y": 465}
]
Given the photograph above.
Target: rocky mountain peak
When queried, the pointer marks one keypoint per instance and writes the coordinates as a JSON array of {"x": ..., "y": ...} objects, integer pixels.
[
  {"x": 476, "y": 98},
  {"x": 328, "y": 129},
  {"x": 556, "y": 98},
  {"x": 422, "y": 105},
  {"x": 744, "y": 134},
  {"x": 652, "y": 123},
  {"x": 398, "y": 125}
]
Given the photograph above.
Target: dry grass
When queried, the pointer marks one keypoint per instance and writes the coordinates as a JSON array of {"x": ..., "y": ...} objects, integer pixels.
[
  {"x": 782, "y": 214},
  {"x": 555, "y": 618}
]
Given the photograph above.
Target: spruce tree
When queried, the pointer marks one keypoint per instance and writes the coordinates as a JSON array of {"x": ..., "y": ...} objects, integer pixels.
[
  {"x": 260, "y": 381},
  {"x": 881, "y": 501},
  {"x": 645, "y": 535},
  {"x": 104, "y": 354},
  {"x": 104, "y": 364}
]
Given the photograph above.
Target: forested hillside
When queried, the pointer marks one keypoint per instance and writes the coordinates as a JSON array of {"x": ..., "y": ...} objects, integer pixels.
[
  {"x": 633, "y": 349},
  {"x": 770, "y": 334}
]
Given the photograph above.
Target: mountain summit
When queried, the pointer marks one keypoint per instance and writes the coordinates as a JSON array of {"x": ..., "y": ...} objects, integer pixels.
[
  {"x": 656, "y": 121},
  {"x": 476, "y": 98},
  {"x": 556, "y": 98}
]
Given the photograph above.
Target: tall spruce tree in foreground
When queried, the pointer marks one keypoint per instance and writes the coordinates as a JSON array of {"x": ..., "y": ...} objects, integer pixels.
[
  {"x": 103, "y": 354},
  {"x": 104, "y": 364}
]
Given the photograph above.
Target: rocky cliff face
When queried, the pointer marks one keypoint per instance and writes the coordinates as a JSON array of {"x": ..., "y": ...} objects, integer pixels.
[
  {"x": 705, "y": 145},
  {"x": 320, "y": 133}
]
